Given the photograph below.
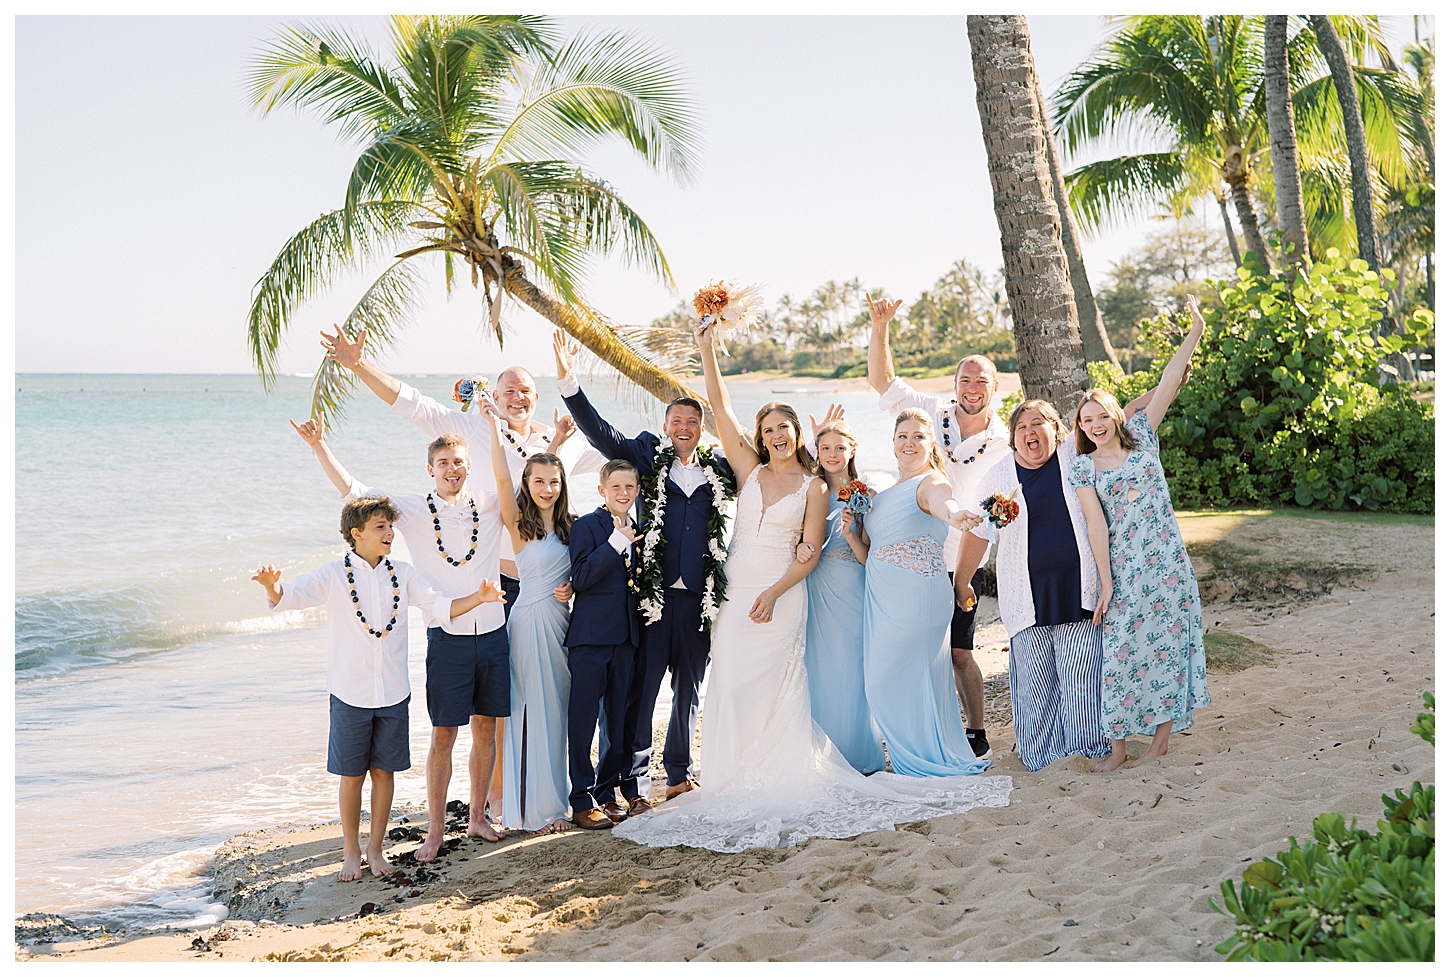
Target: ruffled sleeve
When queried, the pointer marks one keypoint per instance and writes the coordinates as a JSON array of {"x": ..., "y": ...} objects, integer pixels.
[
  {"x": 1082, "y": 474},
  {"x": 1142, "y": 431}
]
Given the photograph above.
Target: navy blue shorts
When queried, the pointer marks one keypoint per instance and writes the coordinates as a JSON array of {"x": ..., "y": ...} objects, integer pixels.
[
  {"x": 964, "y": 623},
  {"x": 468, "y": 675},
  {"x": 358, "y": 738}
]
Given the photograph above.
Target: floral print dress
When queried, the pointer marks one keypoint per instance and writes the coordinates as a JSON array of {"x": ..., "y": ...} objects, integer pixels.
[{"x": 1153, "y": 667}]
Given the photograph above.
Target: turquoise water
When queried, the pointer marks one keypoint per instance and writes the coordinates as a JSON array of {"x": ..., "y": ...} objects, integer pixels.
[{"x": 160, "y": 708}]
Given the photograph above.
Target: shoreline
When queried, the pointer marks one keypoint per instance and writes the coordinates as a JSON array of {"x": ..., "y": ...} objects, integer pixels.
[{"x": 1131, "y": 857}]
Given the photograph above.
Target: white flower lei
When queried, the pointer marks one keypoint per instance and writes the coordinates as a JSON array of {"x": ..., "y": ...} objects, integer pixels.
[{"x": 651, "y": 601}]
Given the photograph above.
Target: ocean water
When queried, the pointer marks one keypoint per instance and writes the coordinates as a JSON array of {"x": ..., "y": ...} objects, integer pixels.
[{"x": 160, "y": 708}]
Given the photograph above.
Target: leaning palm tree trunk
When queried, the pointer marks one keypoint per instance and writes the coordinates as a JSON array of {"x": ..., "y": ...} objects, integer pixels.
[
  {"x": 1044, "y": 314},
  {"x": 1283, "y": 144},
  {"x": 596, "y": 336},
  {"x": 1344, "y": 87},
  {"x": 1228, "y": 229},
  {"x": 1095, "y": 342}
]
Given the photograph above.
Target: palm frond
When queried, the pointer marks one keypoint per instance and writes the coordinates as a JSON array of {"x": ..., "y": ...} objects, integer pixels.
[
  {"x": 383, "y": 309},
  {"x": 599, "y": 87},
  {"x": 314, "y": 67},
  {"x": 531, "y": 198},
  {"x": 1124, "y": 187},
  {"x": 400, "y": 163},
  {"x": 307, "y": 263}
]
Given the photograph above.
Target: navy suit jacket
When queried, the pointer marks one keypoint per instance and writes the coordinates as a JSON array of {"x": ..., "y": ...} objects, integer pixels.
[
  {"x": 686, "y": 535},
  {"x": 605, "y": 611}
]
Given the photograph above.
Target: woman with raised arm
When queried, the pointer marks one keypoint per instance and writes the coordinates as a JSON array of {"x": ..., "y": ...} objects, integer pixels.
[
  {"x": 835, "y": 644},
  {"x": 535, "y": 750},
  {"x": 1153, "y": 662},
  {"x": 770, "y": 777},
  {"x": 909, "y": 681}
]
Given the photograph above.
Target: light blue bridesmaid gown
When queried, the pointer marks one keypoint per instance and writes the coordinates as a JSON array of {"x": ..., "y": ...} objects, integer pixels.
[
  {"x": 909, "y": 682},
  {"x": 535, "y": 758},
  {"x": 835, "y": 666}
]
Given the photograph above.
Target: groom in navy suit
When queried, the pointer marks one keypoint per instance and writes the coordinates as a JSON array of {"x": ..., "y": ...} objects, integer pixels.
[
  {"x": 603, "y": 639},
  {"x": 675, "y": 642}
]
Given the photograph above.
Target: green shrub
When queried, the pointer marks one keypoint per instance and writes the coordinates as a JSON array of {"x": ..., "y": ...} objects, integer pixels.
[
  {"x": 1349, "y": 894},
  {"x": 1284, "y": 404}
]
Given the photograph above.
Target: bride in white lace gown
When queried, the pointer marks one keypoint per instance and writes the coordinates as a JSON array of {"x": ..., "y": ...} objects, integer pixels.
[{"x": 770, "y": 777}]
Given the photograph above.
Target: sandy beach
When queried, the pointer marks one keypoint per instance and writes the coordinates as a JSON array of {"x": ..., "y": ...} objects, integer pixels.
[{"x": 1078, "y": 867}]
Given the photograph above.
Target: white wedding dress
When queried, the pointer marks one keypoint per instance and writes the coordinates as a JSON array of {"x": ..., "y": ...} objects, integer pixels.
[{"x": 770, "y": 778}]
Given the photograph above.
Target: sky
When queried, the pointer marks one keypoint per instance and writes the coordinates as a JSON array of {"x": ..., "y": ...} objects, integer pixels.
[{"x": 150, "y": 198}]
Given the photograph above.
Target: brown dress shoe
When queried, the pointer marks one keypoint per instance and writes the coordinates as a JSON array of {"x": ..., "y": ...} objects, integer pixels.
[
  {"x": 615, "y": 811},
  {"x": 639, "y": 805},
  {"x": 592, "y": 819},
  {"x": 675, "y": 790}
]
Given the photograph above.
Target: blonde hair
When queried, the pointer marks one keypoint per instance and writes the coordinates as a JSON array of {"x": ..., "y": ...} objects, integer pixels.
[
  {"x": 1110, "y": 404},
  {"x": 446, "y": 441},
  {"x": 788, "y": 412},
  {"x": 1049, "y": 414},
  {"x": 934, "y": 456},
  {"x": 848, "y": 436}
]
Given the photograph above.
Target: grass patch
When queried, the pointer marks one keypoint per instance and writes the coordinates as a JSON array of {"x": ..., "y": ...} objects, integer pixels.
[
  {"x": 1225, "y": 651},
  {"x": 1251, "y": 574}
]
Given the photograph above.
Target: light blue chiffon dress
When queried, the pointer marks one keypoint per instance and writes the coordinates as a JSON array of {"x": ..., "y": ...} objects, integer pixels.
[
  {"x": 835, "y": 656},
  {"x": 535, "y": 757},
  {"x": 909, "y": 683}
]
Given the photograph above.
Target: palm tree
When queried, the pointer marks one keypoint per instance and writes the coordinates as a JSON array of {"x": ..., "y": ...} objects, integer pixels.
[
  {"x": 470, "y": 137},
  {"x": 1283, "y": 146},
  {"x": 1196, "y": 84},
  {"x": 1348, "y": 93},
  {"x": 1044, "y": 317}
]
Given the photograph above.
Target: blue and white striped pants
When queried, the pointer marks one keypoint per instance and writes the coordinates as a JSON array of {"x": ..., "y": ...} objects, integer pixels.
[{"x": 1056, "y": 677}]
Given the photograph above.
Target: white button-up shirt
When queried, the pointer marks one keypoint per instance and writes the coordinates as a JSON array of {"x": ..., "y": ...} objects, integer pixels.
[
  {"x": 362, "y": 670},
  {"x": 967, "y": 462},
  {"x": 455, "y": 521},
  {"x": 435, "y": 419}
]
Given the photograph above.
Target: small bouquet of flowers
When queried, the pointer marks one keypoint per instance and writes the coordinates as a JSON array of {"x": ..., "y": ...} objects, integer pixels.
[
  {"x": 856, "y": 496},
  {"x": 735, "y": 309},
  {"x": 468, "y": 390},
  {"x": 1001, "y": 509}
]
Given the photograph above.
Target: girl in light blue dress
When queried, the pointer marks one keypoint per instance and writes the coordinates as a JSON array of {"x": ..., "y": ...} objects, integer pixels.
[
  {"x": 1153, "y": 660},
  {"x": 836, "y": 588},
  {"x": 909, "y": 682},
  {"x": 535, "y": 759}
]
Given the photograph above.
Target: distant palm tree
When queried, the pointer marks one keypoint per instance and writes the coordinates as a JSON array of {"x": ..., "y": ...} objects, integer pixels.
[
  {"x": 471, "y": 137},
  {"x": 1359, "y": 164},
  {"x": 1196, "y": 83},
  {"x": 1283, "y": 144}
]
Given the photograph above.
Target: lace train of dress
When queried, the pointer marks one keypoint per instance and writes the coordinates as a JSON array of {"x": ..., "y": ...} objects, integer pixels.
[{"x": 770, "y": 777}]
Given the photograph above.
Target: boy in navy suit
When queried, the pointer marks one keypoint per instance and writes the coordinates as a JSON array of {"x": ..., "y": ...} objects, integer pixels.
[{"x": 603, "y": 638}]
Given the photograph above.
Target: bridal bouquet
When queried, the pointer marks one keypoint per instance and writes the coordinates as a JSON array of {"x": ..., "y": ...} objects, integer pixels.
[
  {"x": 734, "y": 308},
  {"x": 468, "y": 390},
  {"x": 856, "y": 496},
  {"x": 1001, "y": 509}
]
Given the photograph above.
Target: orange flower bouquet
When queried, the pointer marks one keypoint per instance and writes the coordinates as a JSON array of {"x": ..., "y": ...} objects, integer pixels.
[
  {"x": 1002, "y": 509},
  {"x": 468, "y": 390},
  {"x": 734, "y": 309}
]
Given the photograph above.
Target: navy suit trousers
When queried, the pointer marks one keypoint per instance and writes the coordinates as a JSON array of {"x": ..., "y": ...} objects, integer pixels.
[
  {"x": 600, "y": 680},
  {"x": 674, "y": 642}
]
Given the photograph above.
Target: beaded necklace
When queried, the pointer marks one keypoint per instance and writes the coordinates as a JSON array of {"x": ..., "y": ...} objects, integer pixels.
[
  {"x": 438, "y": 532},
  {"x": 509, "y": 436},
  {"x": 352, "y": 588},
  {"x": 946, "y": 436}
]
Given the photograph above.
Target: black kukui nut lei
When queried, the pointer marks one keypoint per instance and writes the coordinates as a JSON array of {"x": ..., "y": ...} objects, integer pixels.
[
  {"x": 438, "y": 532},
  {"x": 946, "y": 436},
  {"x": 352, "y": 589}
]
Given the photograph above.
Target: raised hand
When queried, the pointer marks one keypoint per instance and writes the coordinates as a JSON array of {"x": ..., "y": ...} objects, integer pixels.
[
  {"x": 625, "y": 529},
  {"x": 268, "y": 576},
  {"x": 309, "y": 431},
  {"x": 345, "y": 353},
  {"x": 563, "y": 592},
  {"x": 882, "y": 311},
  {"x": 564, "y": 428},
  {"x": 834, "y": 412},
  {"x": 1194, "y": 313},
  {"x": 564, "y": 353}
]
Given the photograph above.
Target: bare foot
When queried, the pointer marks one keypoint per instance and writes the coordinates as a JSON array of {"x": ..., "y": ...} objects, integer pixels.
[
  {"x": 1152, "y": 753},
  {"x": 351, "y": 867},
  {"x": 481, "y": 828},
  {"x": 431, "y": 844},
  {"x": 1110, "y": 763},
  {"x": 558, "y": 827},
  {"x": 379, "y": 864}
]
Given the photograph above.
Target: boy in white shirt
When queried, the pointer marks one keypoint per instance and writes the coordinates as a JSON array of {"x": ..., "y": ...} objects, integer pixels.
[{"x": 367, "y": 664}]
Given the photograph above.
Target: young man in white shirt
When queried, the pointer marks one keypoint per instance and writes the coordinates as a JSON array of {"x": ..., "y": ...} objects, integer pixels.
[
  {"x": 367, "y": 664},
  {"x": 973, "y": 438}
]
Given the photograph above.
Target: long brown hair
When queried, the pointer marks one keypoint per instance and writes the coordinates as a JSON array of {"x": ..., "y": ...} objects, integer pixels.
[
  {"x": 531, "y": 517},
  {"x": 1109, "y": 403},
  {"x": 802, "y": 455},
  {"x": 934, "y": 456},
  {"x": 848, "y": 436}
]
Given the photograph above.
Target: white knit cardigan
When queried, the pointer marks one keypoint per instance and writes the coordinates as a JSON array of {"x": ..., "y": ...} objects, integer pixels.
[{"x": 1014, "y": 588}]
